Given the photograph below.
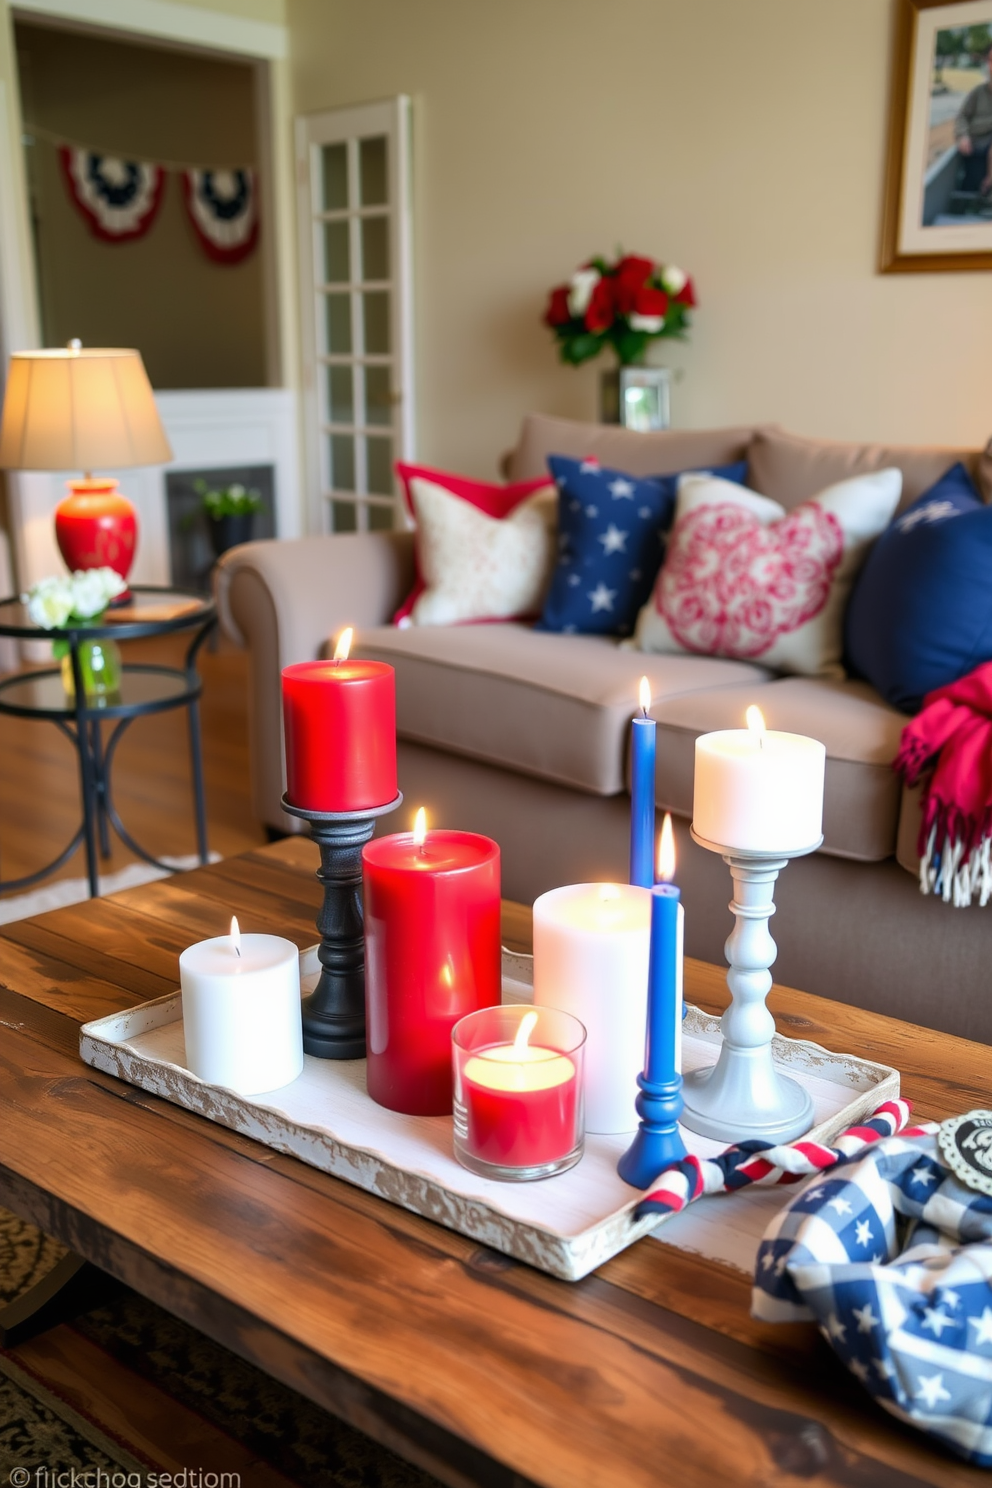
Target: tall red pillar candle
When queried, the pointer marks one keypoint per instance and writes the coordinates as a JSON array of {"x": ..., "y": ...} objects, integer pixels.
[
  {"x": 432, "y": 954},
  {"x": 340, "y": 722}
]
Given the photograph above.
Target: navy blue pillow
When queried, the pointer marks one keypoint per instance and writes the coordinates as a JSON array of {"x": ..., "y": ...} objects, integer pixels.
[
  {"x": 611, "y": 540},
  {"x": 920, "y": 615}
]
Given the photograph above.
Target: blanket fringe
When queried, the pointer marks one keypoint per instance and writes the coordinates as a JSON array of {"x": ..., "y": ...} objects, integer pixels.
[{"x": 957, "y": 875}]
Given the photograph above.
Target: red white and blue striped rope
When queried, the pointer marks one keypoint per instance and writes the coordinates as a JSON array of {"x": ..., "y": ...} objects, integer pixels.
[{"x": 757, "y": 1162}]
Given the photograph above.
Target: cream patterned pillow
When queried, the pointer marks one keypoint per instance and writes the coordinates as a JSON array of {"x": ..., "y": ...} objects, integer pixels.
[
  {"x": 745, "y": 578},
  {"x": 474, "y": 566}
]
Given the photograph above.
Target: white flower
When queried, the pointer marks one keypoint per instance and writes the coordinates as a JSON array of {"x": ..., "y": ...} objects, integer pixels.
[
  {"x": 93, "y": 589},
  {"x": 49, "y": 602},
  {"x": 583, "y": 282},
  {"x": 673, "y": 279},
  {"x": 649, "y": 323}
]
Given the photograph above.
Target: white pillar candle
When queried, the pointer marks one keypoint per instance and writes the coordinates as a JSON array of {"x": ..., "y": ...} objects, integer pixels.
[
  {"x": 758, "y": 790},
  {"x": 591, "y": 944},
  {"x": 242, "y": 1016}
]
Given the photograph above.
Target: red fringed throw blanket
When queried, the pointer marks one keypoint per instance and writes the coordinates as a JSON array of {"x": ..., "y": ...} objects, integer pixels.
[{"x": 950, "y": 742}]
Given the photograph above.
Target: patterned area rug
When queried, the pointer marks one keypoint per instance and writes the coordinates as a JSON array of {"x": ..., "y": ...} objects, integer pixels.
[
  {"x": 37, "y": 1428},
  {"x": 298, "y": 1439},
  {"x": 74, "y": 890}
]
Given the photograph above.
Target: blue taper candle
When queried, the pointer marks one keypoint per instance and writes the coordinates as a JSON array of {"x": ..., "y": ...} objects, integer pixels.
[
  {"x": 658, "y": 1140},
  {"x": 642, "y": 751}
]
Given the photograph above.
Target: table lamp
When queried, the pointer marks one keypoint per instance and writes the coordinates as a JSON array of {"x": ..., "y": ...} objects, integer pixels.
[{"x": 79, "y": 408}]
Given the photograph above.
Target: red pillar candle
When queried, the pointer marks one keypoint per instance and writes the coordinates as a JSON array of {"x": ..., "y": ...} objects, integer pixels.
[
  {"x": 340, "y": 722},
  {"x": 432, "y": 954}
]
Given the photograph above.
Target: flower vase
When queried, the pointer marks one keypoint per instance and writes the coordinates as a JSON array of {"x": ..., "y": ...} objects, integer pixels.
[
  {"x": 636, "y": 397},
  {"x": 100, "y": 665}
]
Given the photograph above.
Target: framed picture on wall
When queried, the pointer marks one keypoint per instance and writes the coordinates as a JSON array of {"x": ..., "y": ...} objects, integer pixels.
[{"x": 938, "y": 195}]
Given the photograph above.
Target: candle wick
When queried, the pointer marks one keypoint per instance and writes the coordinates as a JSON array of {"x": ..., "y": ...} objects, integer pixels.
[{"x": 237, "y": 951}]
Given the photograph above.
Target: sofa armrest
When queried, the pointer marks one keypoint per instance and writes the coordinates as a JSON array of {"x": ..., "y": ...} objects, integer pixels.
[{"x": 283, "y": 599}]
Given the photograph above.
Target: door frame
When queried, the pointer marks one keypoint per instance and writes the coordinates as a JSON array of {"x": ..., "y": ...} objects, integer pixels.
[{"x": 181, "y": 26}]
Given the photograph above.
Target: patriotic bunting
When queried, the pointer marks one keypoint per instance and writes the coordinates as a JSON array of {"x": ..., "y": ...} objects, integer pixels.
[
  {"x": 223, "y": 208},
  {"x": 118, "y": 198}
]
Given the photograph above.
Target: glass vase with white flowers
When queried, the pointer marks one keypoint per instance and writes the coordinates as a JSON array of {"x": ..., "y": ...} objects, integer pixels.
[{"x": 72, "y": 601}]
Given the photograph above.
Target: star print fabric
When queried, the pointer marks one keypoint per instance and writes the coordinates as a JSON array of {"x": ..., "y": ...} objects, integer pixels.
[
  {"x": 611, "y": 540},
  {"x": 892, "y": 1257}
]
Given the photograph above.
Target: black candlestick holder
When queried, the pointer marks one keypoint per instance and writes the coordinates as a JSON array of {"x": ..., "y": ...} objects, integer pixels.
[{"x": 334, "y": 1012}]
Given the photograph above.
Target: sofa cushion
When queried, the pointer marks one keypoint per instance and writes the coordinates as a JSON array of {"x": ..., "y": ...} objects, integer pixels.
[
  {"x": 483, "y": 552},
  {"x": 920, "y": 614},
  {"x": 661, "y": 453},
  {"x": 791, "y": 469},
  {"x": 612, "y": 528},
  {"x": 554, "y": 706},
  {"x": 860, "y": 731},
  {"x": 743, "y": 577}
]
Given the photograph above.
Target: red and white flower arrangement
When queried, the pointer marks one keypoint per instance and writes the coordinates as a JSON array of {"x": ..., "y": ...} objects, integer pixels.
[{"x": 625, "y": 304}]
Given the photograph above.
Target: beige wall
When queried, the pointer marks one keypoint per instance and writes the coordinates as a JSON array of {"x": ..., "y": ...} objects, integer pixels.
[
  {"x": 197, "y": 323},
  {"x": 741, "y": 139},
  {"x": 272, "y": 11}
]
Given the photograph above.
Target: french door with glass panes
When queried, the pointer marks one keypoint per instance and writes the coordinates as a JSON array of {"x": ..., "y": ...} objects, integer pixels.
[{"x": 353, "y": 172}]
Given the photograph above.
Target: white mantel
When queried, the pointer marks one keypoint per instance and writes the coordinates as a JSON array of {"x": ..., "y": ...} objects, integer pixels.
[{"x": 208, "y": 429}]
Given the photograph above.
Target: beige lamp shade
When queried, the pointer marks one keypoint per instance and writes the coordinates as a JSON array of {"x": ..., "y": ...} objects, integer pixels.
[{"x": 80, "y": 408}]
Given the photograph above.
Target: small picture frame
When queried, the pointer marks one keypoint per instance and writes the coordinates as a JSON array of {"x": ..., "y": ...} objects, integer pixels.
[{"x": 938, "y": 195}]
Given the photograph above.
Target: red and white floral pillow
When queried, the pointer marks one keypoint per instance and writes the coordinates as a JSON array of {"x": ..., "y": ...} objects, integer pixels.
[
  {"x": 745, "y": 578},
  {"x": 483, "y": 552}
]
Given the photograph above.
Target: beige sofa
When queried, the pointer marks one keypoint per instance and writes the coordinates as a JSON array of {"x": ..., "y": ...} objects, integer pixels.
[{"x": 524, "y": 735}]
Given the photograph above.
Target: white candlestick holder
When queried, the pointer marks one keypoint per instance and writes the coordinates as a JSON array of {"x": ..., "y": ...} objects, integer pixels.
[{"x": 743, "y": 1095}]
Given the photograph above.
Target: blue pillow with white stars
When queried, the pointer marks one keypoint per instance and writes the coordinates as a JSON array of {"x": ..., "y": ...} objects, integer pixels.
[
  {"x": 612, "y": 530},
  {"x": 920, "y": 615}
]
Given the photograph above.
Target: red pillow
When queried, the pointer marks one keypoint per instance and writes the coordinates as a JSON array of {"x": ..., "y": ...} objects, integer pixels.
[{"x": 495, "y": 501}]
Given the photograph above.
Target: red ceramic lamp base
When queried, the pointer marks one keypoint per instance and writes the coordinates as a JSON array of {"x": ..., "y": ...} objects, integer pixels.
[{"x": 96, "y": 526}]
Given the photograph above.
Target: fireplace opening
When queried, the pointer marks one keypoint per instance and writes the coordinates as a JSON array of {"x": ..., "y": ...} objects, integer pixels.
[{"x": 191, "y": 552}]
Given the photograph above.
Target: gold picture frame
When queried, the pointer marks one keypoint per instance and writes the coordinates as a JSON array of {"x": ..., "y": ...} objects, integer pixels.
[{"x": 937, "y": 214}]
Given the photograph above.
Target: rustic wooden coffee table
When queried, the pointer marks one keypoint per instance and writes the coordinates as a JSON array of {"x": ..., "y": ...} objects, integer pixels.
[{"x": 482, "y": 1370}]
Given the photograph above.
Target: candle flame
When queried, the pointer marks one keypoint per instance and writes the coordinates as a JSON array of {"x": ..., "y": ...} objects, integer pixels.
[
  {"x": 343, "y": 646},
  {"x": 755, "y": 720},
  {"x": 448, "y": 974},
  {"x": 609, "y": 891},
  {"x": 644, "y": 695},
  {"x": 527, "y": 1025},
  {"x": 420, "y": 826},
  {"x": 235, "y": 935},
  {"x": 666, "y": 851}
]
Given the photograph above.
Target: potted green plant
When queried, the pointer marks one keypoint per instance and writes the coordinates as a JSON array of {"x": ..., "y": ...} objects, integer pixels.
[{"x": 230, "y": 512}]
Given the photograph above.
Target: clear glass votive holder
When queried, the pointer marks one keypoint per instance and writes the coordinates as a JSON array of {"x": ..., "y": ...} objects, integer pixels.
[{"x": 518, "y": 1092}]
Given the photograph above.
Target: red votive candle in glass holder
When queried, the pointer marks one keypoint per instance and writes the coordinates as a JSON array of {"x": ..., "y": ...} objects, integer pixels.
[
  {"x": 518, "y": 1092},
  {"x": 340, "y": 723},
  {"x": 432, "y": 954}
]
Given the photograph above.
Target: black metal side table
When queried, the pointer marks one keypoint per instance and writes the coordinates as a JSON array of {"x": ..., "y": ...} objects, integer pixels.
[{"x": 145, "y": 689}]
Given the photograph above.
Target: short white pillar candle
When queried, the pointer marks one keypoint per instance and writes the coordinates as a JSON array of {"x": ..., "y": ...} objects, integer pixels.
[
  {"x": 242, "y": 1016},
  {"x": 758, "y": 790},
  {"x": 591, "y": 945}
]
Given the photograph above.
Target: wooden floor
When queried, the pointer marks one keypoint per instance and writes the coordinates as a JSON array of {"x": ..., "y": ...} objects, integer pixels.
[{"x": 39, "y": 781}]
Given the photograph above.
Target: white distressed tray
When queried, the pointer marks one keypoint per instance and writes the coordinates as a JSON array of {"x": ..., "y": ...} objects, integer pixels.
[{"x": 566, "y": 1225}]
